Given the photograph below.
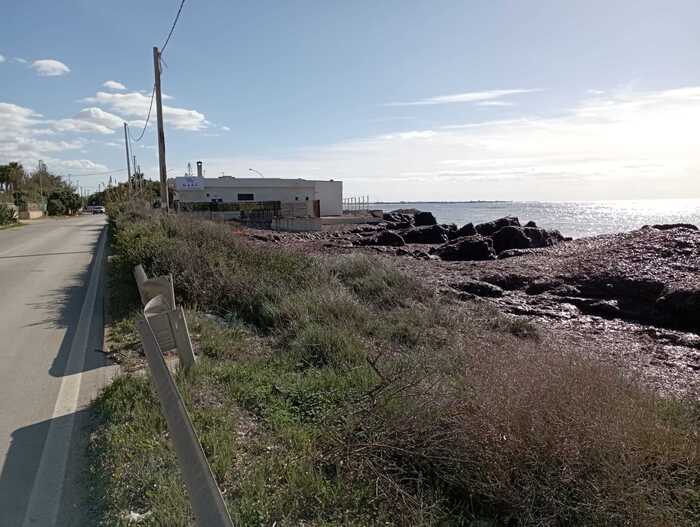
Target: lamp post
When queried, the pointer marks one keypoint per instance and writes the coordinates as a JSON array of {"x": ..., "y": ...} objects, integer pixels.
[{"x": 257, "y": 172}]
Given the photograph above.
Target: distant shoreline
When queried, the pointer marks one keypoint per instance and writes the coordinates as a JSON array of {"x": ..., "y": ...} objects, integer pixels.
[{"x": 439, "y": 202}]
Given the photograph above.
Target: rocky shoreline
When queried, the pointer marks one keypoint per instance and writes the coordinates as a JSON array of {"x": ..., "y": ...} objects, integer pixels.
[{"x": 631, "y": 297}]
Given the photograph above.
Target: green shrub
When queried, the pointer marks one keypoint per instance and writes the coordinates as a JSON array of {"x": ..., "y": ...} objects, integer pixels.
[
  {"x": 55, "y": 207},
  {"x": 7, "y": 214}
]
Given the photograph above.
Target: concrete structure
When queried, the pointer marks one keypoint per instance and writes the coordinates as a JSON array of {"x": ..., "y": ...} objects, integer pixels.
[{"x": 227, "y": 189}]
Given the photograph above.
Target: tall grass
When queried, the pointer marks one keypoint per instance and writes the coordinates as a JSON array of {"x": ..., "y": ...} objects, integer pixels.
[{"x": 342, "y": 392}]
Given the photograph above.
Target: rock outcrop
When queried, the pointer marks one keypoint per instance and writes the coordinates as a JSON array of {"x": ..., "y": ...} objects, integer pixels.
[
  {"x": 490, "y": 227},
  {"x": 424, "y": 218},
  {"x": 467, "y": 248},
  {"x": 426, "y": 234}
]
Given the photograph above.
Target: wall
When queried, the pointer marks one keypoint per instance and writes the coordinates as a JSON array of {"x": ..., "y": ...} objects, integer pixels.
[
  {"x": 228, "y": 188},
  {"x": 296, "y": 224},
  {"x": 330, "y": 194}
]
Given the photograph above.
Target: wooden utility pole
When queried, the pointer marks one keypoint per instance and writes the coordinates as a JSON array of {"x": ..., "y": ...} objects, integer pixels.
[
  {"x": 128, "y": 158},
  {"x": 161, "y": 134}
]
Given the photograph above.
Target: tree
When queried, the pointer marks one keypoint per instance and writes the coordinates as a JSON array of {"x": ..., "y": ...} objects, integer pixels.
[{"x": 55, "y": 207}]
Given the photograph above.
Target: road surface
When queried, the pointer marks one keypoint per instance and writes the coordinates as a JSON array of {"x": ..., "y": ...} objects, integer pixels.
[{"x": 51, "y": 327}]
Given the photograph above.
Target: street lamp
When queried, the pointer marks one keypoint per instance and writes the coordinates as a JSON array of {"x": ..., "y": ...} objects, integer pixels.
[{"x": 257, "y": 172}]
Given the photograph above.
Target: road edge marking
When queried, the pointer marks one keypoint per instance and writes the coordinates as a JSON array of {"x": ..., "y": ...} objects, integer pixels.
[{"x": 47, "y": 490}]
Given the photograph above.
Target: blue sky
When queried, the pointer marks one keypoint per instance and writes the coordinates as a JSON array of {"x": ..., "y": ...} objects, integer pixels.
[{"x": 442, "y": 100}]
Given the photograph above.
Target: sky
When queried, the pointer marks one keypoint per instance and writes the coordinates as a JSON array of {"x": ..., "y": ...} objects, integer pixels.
[{"x": 399, "y": 99}]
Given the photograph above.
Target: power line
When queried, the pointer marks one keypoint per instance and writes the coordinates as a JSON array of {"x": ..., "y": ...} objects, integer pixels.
[
  {"x": 93, "y": 174},
  {"x": 148, "y": 117},
  {"x": 153, "y": 93},
  {"x": 170, "y": 34}
]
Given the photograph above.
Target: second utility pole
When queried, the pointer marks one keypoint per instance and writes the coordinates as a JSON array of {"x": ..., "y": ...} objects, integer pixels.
[
  {"x": 161, "y": 134},
  {"x": 128, "y": 165}
]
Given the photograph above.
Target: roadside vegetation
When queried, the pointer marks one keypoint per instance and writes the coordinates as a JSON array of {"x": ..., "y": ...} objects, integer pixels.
[
  {"x": 8, "y": 215},
  {"x": 39, "y": 188},
  {"x": 338, "y": 391}
]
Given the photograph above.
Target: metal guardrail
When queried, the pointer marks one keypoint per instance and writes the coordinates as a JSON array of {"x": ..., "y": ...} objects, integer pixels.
[
  {"x": 163, "y": 327},
  {"x": 207, "y": 502}
]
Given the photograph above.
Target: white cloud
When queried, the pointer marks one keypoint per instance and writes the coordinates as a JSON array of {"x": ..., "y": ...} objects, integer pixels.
[
  {"x": 474, "y": 96},
  {"x": 135, "y": 104},
  {"x": 627, "y": 146},
  {"x": 2, "y": 58},
  {"x": 114, "y": 85},
  {"x": 20, "y": 60},
  {"x": 225, "y": 128},
  {"x": 50, "y": 68},
  {"x": 89, "y": 120},
  {"x": 26, "y": 137}
]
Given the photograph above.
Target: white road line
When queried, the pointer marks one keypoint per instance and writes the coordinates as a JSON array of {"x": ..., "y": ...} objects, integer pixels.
[{"x": 47, "y": 490}]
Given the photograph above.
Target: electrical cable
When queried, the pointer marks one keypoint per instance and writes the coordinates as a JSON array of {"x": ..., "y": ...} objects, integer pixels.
[
  {"x": 170, "y": 34},
  {"x": 148, "y": 116}
]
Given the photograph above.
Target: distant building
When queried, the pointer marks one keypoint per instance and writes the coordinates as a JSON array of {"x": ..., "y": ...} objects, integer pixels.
[{"x": 228, "y": 189}]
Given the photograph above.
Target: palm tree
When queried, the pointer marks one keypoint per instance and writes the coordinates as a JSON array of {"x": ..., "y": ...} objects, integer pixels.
[{"x": 15, "y": 173}]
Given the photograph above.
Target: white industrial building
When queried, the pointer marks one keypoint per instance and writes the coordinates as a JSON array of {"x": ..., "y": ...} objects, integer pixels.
[{"x": 228, "y": 189}]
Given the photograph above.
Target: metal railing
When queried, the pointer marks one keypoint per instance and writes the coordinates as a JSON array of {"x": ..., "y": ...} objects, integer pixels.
[
  {"x": 163, "y": 328},
  {"x": 356, "y": 203}
]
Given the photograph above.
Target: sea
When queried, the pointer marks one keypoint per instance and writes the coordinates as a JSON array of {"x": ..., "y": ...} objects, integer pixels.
[{"x": 572, "y": 218}]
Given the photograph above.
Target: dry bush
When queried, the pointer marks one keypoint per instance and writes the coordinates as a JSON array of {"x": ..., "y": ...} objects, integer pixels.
[{"x": 518, "y": 433}]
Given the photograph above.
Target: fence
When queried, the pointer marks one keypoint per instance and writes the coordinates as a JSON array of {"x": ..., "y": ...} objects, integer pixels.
[
  {"x": 355, "y": 203},
  {"x": 163, "y": 327}
]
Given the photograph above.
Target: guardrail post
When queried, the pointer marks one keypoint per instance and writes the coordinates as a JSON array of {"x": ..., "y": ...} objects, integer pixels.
[
  {"x": 181, "y": 333},
  {"x": 166, "y": 319}
]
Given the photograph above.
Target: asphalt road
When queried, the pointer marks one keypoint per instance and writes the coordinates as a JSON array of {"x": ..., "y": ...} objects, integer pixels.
[{"x": 51, "y": 329}]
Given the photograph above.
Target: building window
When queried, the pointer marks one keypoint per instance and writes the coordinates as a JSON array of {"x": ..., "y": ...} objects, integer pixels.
[
  {"x": 296, "y": 198},
  {"x": 307, "y": 198},
  {"x": 246, "y": 197}
]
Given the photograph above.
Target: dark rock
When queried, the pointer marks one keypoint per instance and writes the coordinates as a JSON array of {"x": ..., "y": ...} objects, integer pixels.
[
  {"x": 384, "y": 238},
  {"x": 426, "y": 234},
  {"x": 681, "y": 307},
  {"x": 565, "y": 290},
  {"x": 667, "y": 226},
  {"x": 467, "y": 248},
  {"x": 490, "y": 227},
  {"x": 466, "y": 230},
  {"x": 450, "y": 229},
  {"x": 511, "y": 237},
  {"x": 389, "y": 238},
  {"x": 590, "y": 306},
  {"x": 479, "y": 288},
  {"x": 424, "y": 218},
  {"x": 538, "y": 237},
  {"x": 541, "y": 286},
  {"x": 398, "y": 218},
  {"x": 530, "y": 224},
  {"x": 511, "y": 253},
  {"x": 557, "y": 237},
  {"x": 509, "y": 281},
  {"x": 402, "y": 252}
]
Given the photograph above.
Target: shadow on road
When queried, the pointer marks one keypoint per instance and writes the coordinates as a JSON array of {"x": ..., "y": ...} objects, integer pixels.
[
  {"x": 22, "y": 463},
  {"x": 62, "y": 309},
  {"x": 27, "y": 443}
]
